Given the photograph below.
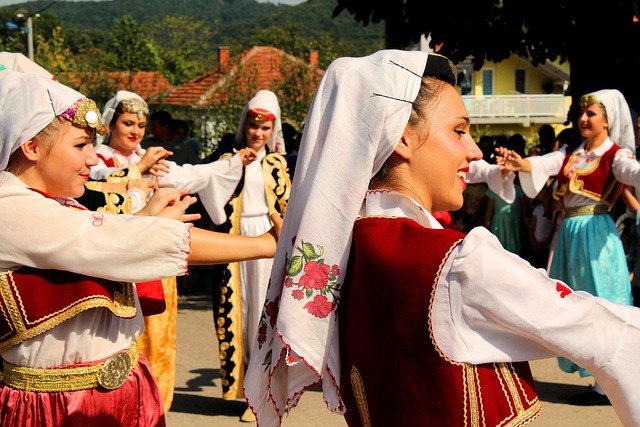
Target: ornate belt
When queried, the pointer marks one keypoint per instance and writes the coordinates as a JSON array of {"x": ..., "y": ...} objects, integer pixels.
[
  {"x": 586, "y": 210},
  {"x": 110, "y": 374}
]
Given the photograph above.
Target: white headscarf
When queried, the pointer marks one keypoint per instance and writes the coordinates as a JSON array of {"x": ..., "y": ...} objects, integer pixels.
[
  {"x": 266, "y": 100},
  {"x": 356, "y": 120},
  {"x": 112, "y": 104},
  {"x": 618, "y": 117},
  {"x": 18, "y": 62},
  {"x": 29, "y": 103}
]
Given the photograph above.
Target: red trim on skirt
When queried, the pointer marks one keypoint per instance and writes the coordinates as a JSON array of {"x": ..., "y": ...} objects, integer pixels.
[{"x": 136, "y": 403}]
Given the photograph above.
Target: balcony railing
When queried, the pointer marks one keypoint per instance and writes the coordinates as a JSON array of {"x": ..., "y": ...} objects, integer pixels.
[{"x": 517, "y": 109}]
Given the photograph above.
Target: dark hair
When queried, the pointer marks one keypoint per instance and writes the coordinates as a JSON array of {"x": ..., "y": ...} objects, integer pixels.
[
  {"x": 517, "y": 143},
  {"x": 547, "y": 137},
  {"x": 228, "y": 139},
  {"x": 180, "y": 124},
  {"x": 163, "y": 117},
  {"x": 290, "y": 135}
]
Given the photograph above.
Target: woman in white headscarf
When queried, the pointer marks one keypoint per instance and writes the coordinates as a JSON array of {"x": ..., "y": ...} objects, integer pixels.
[
  {"x": 122, "y": 160},
  {"x": 71, "y": 312},
  {"x": 433, "y": 325},
  {"x": 263, "y": 190},
  {"x": 589, "y": 254}
]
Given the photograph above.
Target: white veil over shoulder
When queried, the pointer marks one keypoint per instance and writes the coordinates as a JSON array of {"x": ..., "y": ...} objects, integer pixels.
[
  {"x": 618, "y": 117},
  {"x": 355, "y": 121}
]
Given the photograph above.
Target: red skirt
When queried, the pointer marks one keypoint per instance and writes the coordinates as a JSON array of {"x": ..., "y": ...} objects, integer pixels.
[{"x": 136, "y": 403}]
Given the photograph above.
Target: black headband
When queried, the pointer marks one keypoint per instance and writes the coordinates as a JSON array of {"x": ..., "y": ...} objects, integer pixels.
[{"x": 442, "y": 68}]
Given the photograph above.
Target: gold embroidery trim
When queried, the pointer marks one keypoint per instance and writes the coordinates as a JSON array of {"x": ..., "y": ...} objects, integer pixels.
[
  {"x": 576, "y": 185},
  {"x": 361, "y": 398},
  {"x": 277, "y": 182},
  {"x": 123, "y": 305},
  {"x": 586, "y": 210},
  {"x": 235, "y": 316},
  {"x": 106, "y": 374}
]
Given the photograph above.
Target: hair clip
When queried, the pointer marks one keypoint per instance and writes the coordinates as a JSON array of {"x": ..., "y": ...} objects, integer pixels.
[
  {"x": 391, "y": 97},
  {"x": 405, "y": 68}
]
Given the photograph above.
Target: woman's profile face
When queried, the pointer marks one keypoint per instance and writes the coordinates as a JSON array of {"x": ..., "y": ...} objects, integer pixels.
[
  {"x": 257, "y": 133},
  {"x": 64, "y": 170},
  {"x": 127, "y": 132},
  {"x": 440, "y": 160}
]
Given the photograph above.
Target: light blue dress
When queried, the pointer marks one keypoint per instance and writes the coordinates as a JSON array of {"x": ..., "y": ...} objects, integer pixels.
[
  {"x": 506, "y": 222},
  {"x": 588, "y": 255}
]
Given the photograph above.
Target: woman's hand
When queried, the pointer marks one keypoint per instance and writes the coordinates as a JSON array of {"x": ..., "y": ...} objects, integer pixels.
[
  {"x": 170, "y": 203},
  {"x": 509, "y": 160},
  {"x": 153, "y": 160},
  {"x": 247, "y": 155},
  {"x": 271, "y": 237},
  {"x": 144, "y": 184}
]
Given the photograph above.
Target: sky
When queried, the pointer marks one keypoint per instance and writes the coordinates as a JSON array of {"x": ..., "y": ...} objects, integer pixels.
[{"x": 290, "y": 2}]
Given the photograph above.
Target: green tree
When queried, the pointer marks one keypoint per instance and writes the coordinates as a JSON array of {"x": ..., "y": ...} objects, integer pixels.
[
  {"x": 595, "y": 40},
  {"x": 291, "y": 39},
  {"x": 131, "y": 48},
  {"x": 52, "y": 53},
  {"x": 296, "y": 90},
  {"x": 183, "y": 46}
]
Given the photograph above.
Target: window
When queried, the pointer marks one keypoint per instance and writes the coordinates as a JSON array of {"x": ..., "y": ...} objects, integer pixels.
[
  {"x": 487, "y": 82},
  {"x": 521, "y": 86}
]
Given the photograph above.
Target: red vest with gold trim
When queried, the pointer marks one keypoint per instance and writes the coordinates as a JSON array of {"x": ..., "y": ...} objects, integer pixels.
[
  {"x": 34, "y": 301},
  {"x": 393, "y": 373},
  {"x": 595, "y": 181}
]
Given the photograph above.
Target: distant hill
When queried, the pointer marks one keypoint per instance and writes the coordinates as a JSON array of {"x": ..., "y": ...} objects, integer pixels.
[{"x": 233, "y": 22}]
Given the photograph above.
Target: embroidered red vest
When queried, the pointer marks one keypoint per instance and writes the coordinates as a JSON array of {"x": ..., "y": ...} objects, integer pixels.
[
  {"x": 596, "y": 182},
  {"x": 34, "y": 301},
  {"x": 393, "y": 373}
]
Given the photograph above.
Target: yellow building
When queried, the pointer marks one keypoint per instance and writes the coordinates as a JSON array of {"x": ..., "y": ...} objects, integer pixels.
[{"x": 513, "y": 96}]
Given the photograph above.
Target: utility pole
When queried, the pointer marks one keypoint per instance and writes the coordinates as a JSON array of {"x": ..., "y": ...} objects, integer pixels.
[
  {"x": 30, "y": 37},
  {"x": 29, "y": 28}
]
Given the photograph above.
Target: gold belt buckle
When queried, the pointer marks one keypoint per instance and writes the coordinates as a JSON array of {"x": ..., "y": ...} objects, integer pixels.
[{"x": 114, "y": 371}]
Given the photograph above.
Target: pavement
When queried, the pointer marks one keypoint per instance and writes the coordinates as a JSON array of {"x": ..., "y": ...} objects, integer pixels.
[{"x": 197, "y": 400}]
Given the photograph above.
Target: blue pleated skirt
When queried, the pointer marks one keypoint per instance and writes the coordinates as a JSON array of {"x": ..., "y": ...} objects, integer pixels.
[{"x": 589, "y": 257}]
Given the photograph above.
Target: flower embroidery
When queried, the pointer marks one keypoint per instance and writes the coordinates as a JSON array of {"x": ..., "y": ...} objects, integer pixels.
[
  {"x": 320, "y": 306},
  {"x": 318, "y": 283},
  {"x": 97, "y": 219},
  {"x": 288, "y": 282},
  {"x": 563, "y": 289},
  {"x": 316, "y": 276},
  {"x": 297, "y": 294},
  {"x": 272, "y": 311}
]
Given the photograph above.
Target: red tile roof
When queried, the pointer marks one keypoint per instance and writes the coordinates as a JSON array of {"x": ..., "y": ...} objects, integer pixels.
[
  {"x": 257, "y": 68},
  {"x": 144, "y": 83}
]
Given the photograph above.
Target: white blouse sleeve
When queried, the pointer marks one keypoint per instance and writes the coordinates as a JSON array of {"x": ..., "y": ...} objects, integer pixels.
[
  {"x": 492, "y": 306},
  {"x": 39, "y": 232},
  {"x": 542, "y": 168},
  {"x": 481, "y": 171},
  {"x": 214, "y": 182},
  {"x": 626, "y": 168}
]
